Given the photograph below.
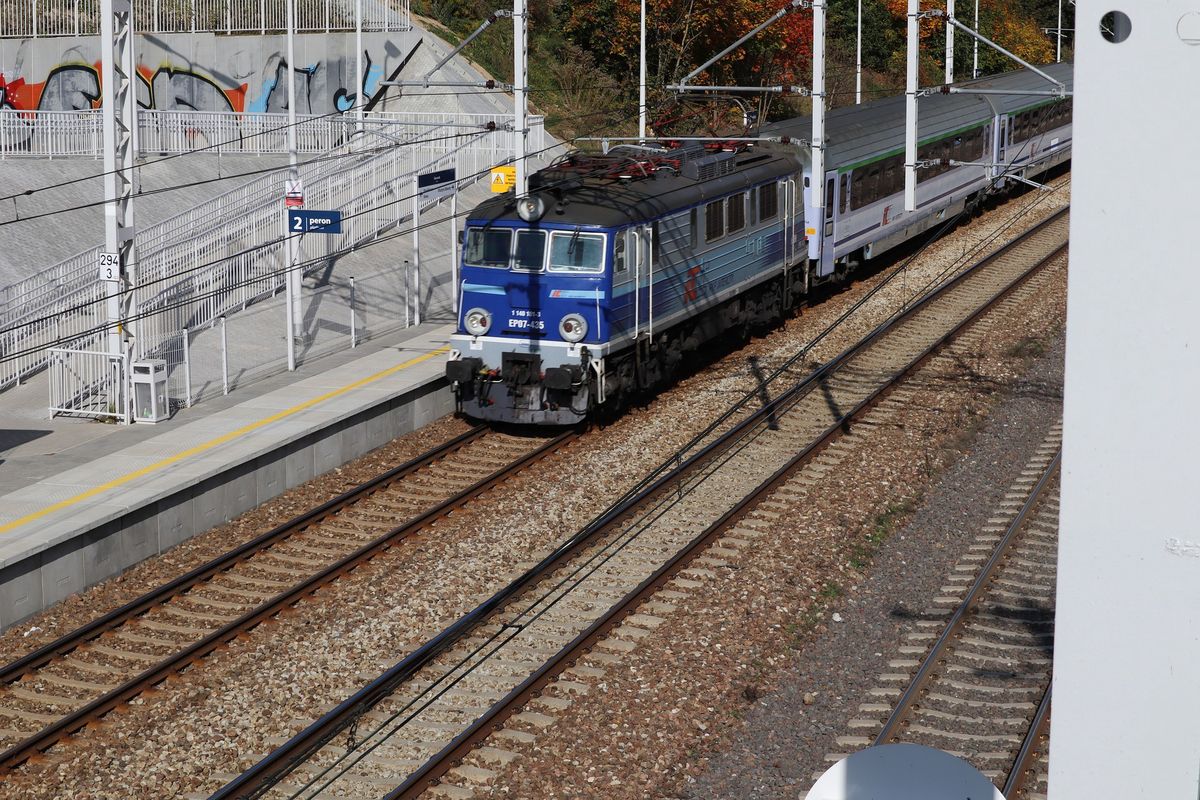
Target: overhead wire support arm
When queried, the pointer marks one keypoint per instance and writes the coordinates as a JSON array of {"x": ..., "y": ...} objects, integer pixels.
[
  {"x": 428, "y": 84},
  {"x": 794, "y": 5},
  {"x": 951, "y": 20},
  {"x": 802, "y": 91},
  {"x": 483, "y": 26}
]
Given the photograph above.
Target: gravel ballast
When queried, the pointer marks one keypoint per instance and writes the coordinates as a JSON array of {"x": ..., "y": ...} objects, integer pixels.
[{"x": 742, "y": 691}]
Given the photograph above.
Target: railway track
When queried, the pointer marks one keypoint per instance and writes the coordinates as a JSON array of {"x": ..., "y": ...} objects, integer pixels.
[
  {"x": 60, "y": 688},
  {"x": 405, "y": 730},
  {"x": 974, "y": 678}
]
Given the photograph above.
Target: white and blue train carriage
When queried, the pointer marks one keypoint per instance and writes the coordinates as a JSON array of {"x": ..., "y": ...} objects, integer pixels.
[
  {"x": 615, "y": 267},
  {"x": 1008, "y": 139}
]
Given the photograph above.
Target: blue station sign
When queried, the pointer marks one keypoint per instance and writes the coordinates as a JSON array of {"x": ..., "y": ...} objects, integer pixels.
[{"x": 306, "y": 221}]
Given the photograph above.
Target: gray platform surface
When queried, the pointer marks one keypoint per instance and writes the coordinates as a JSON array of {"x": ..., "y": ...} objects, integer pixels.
[{"x": 84, "y": 500}]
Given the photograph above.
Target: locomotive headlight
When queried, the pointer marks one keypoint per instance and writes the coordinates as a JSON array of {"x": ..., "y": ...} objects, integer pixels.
[
  {"x": 572, "y": 328},
  {"x": 531, "y": 208},
  {"x": 477, "y": 321}
]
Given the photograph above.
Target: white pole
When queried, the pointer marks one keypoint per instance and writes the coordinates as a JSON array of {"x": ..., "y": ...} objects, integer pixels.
[
  {"x": 454, "y": 247},
  {"x": 353, "y": 332},
  {"x": 910, "y": 111},
  {"x": 818, "y": 106},
  {"x": 187, "y": 368},
  {"x": 416, "y": 245},
  {"x": 520, "y": 101},
  {"x": 858, "y": 60},
  {"x": 642, "y": 80},
  {"x": 290, "y": 278},
  {"x": 1058, "y": 36},
  {"x": 949, "y": 42},
  {"x": 362, "y": 79},
  {"x": 975, "y": 69},
  {"x": 131, "y": 72},
  {"x": 224, "y": 357}
]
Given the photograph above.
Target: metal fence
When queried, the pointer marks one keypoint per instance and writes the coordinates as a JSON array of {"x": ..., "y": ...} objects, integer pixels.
[
  {"x": 87, "y": 383},
  {"x": 79, "y": 134},
  {"x": 40, "y": 18},
  {"x": 227, "y": 253}
]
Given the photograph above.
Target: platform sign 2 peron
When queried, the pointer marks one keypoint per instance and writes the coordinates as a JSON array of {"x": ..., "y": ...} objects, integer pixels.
[{"x": 311, "y": 221}]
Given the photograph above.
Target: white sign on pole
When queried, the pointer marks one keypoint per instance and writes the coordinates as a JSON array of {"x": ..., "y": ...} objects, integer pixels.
[
  {"x": 436, "y": 185},
  {"x": 293, "y": 194},
  {"x": 109, "y": 265}
]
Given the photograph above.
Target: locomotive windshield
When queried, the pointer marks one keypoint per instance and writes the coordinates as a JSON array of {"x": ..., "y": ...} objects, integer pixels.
[
  {"x": 531, "y": 250},
  {"x": 488, "y": 247},
  {"x": 570, "y": 251},
  {"x": 576, "y": 252}
]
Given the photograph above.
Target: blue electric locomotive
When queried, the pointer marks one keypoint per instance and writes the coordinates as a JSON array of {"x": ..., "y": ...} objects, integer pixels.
[
  {"x": 606, "y": 278},
  {"x": 614, "y": 267}
]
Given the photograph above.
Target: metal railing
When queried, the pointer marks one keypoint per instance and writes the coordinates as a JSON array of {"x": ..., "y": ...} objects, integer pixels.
[
  {"x": 227, "y": 253},
  {"x": 78, "y": 134},
  {"x": 87, "y": 383},
  {"x": 42, "y": 18}
]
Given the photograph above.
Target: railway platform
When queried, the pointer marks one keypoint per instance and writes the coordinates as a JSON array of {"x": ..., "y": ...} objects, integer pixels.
[{"x": 81, "y": 501}]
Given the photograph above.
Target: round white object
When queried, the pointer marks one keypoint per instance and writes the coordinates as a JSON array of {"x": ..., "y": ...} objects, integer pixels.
[{"x": 903, "y": 772}]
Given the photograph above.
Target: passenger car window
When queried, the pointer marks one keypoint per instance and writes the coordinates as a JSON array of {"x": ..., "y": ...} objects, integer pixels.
[
  {"x": 488, "y": 247},
  {"x": 576, "y": 252},
  {"x": 531, "y": 250}
]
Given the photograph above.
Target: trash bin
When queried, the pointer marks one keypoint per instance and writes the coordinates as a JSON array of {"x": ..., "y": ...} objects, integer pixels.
[{"x": 150, "y": 390}]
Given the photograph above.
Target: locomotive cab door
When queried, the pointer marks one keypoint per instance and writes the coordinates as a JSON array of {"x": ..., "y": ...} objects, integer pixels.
[
  {"x": 640, "y": 248},
  {"x": 828, "y": 224}
]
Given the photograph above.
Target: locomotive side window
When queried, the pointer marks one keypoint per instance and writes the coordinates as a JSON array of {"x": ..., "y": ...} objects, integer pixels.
[
  {"x": 694, "y": 230},
  {"x": 620, "y": 265},
  {"x": 768, "y": 202},
  {"x": 714, "y": 221},
  {"x": 531, "y": 251},
  {"x": 488, "y": 247},
  {"x": 735, "y": 212},
  {"x": 576, "y": 252}
]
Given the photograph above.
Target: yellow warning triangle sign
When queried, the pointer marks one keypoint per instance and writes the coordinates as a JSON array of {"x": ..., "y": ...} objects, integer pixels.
[{"x": 503, "y": 178}]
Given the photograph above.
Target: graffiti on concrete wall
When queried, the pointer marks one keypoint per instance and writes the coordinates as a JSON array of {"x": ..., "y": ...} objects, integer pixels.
[
  {"x": 321, "y": 88},
  {"x": 68, "y": 87}
]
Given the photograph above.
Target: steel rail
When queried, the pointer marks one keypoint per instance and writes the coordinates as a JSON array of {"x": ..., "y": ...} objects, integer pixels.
[
  {"x": 156, "y": 674},
  {"x": 1022, "y": 764},
  {"x": 135, "y": 608},
  {"x": 273, "y": 767},
  {"x": 891, "y": 728},
  {"x": 674, "y": 461}
]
